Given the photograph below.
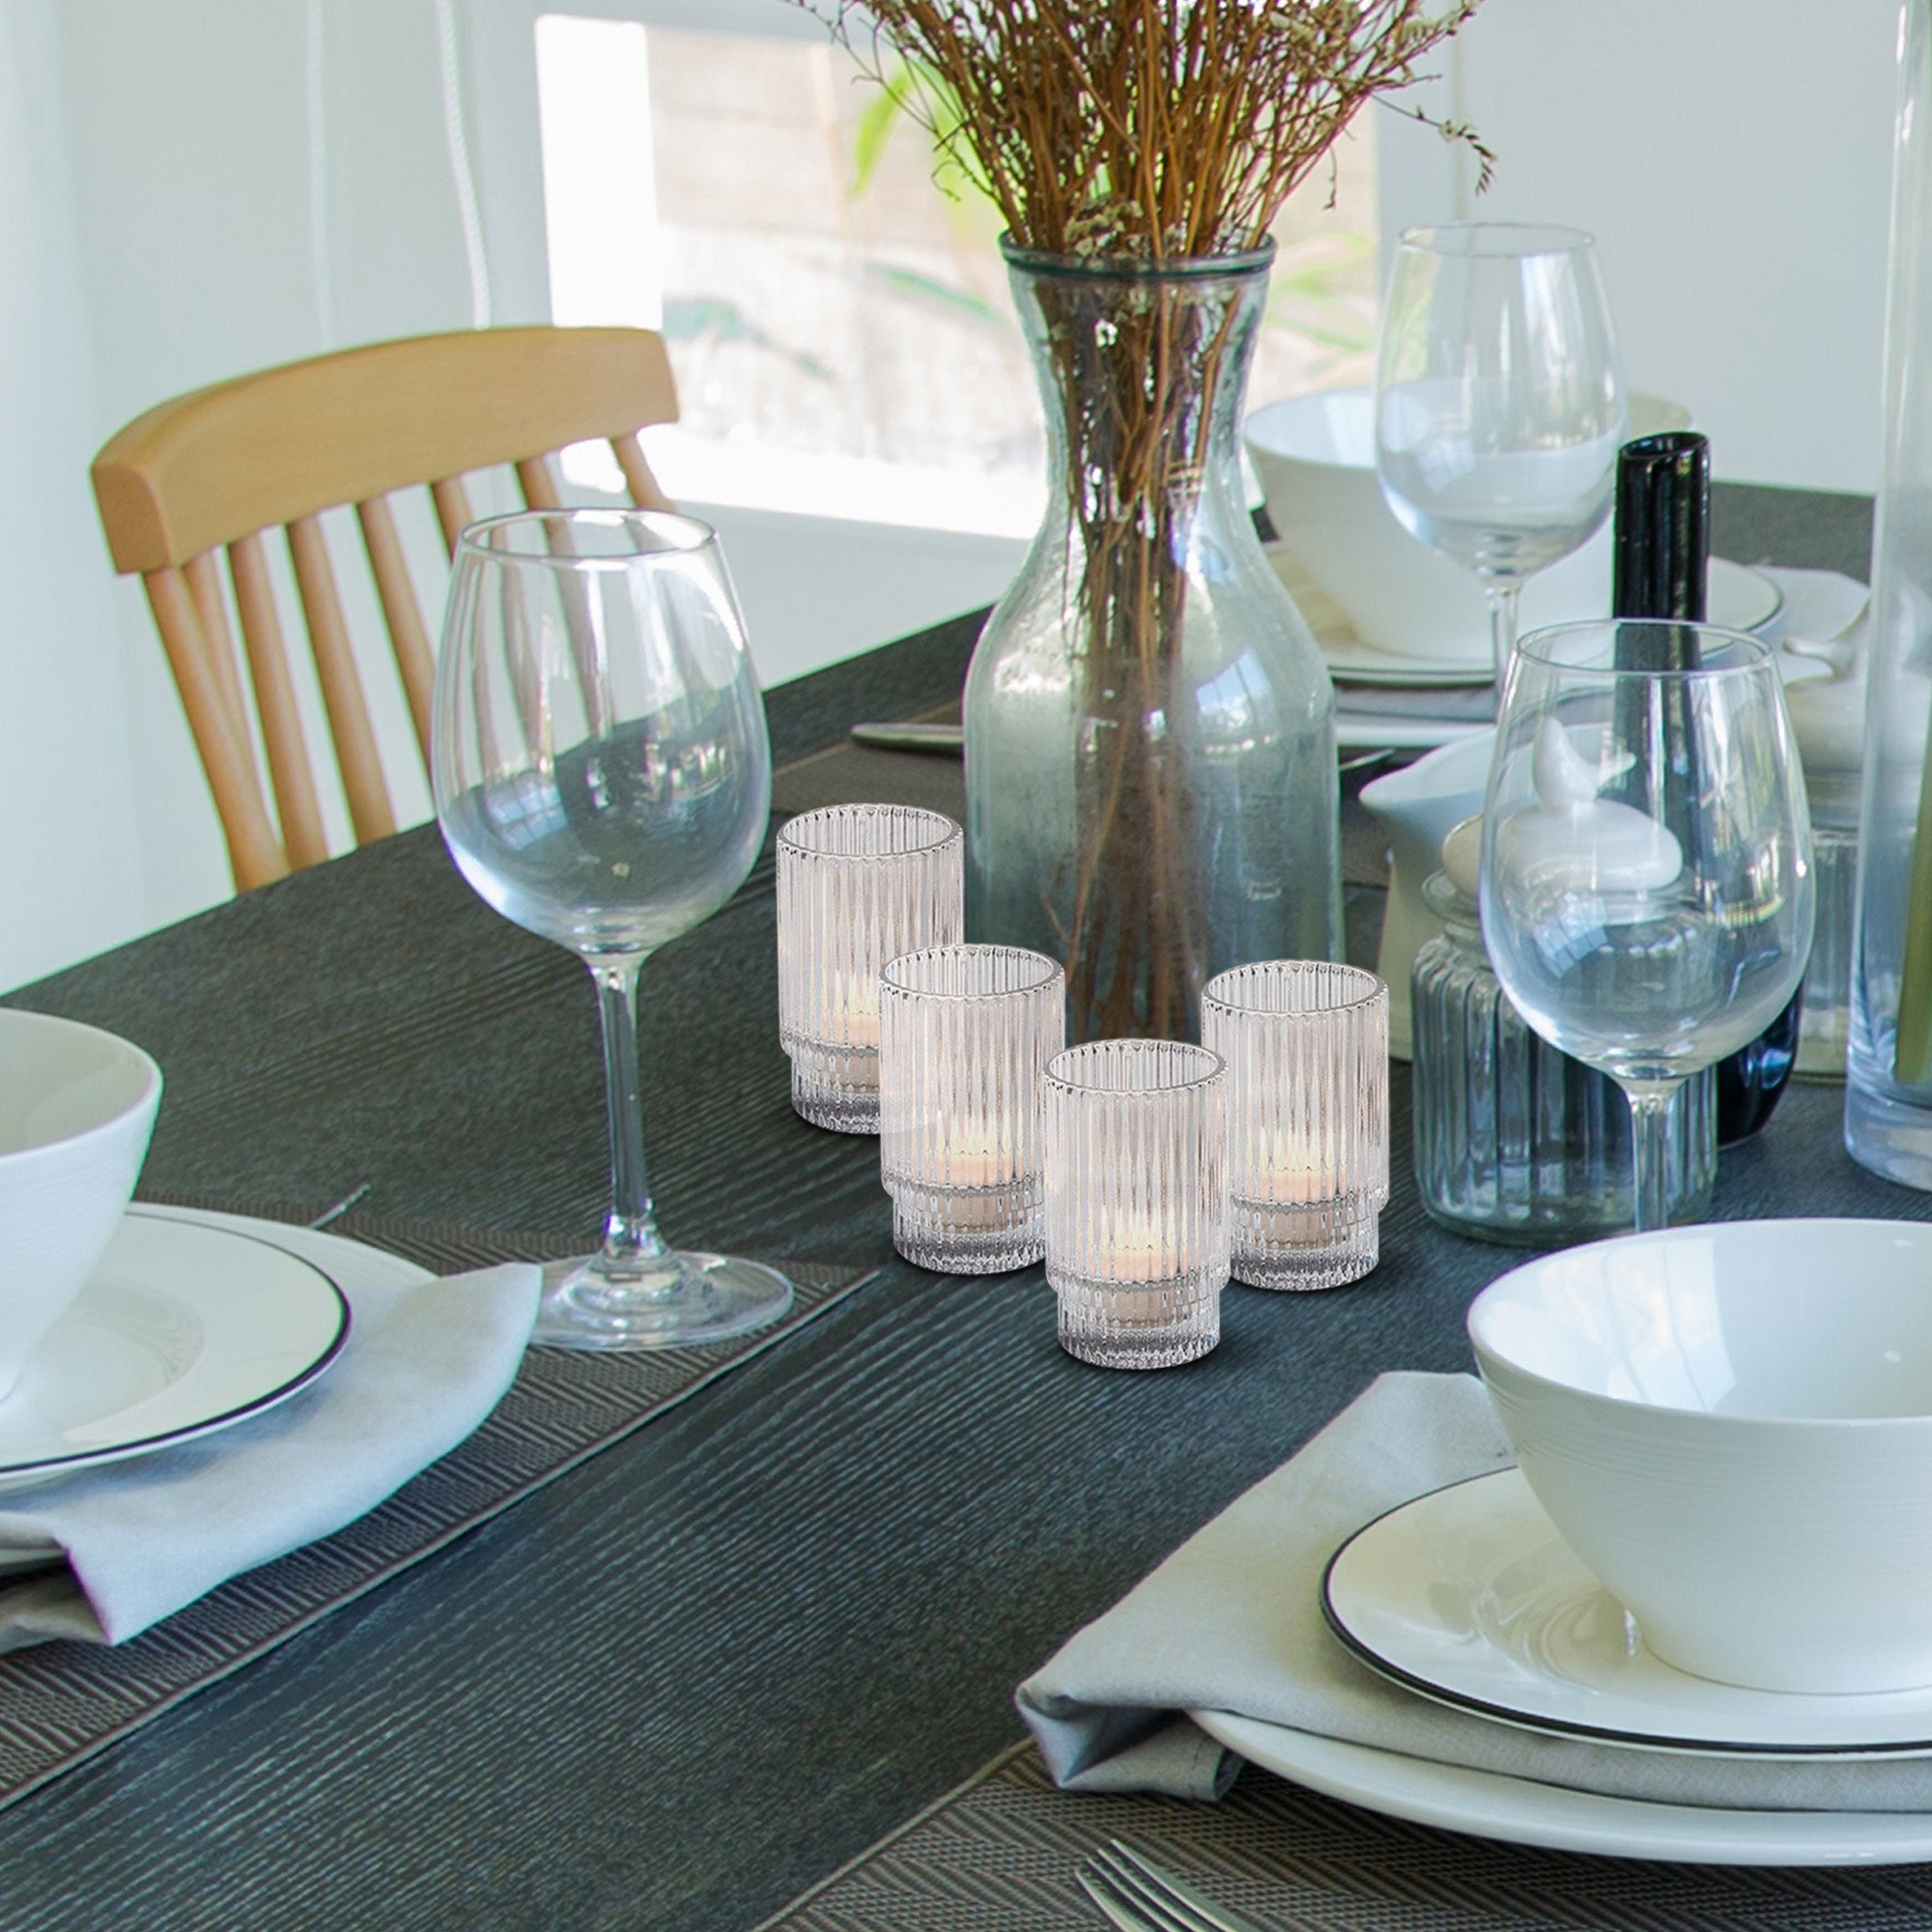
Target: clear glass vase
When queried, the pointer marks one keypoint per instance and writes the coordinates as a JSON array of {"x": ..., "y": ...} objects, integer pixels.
[
  {"x": 1888, "y": 1050},
  {"x": 1150, "y": 738}
]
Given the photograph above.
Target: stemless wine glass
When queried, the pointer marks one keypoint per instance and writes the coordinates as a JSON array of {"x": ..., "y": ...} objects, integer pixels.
[
  {"x": 1647, "y": 895},
  {"x": 1499, "y": 401},
  {"x": 603, "y": 778}
]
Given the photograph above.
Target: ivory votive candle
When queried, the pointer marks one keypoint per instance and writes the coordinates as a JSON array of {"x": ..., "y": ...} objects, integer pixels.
[
  {"x": 965, "y": 1033},
  {"x": 1306, "y": 1044},
  {"x": 1137, "y": 1201},
  {"x": 857, "y": 884}
]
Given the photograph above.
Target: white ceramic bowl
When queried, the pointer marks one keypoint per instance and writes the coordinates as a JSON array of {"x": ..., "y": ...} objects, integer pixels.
[
  {"x": 1315, "y": 458},
  {"x": 1732, "y": 1426},
  {"x": 1416, "y": 807},
  {"x": 77, "y": 1107}
]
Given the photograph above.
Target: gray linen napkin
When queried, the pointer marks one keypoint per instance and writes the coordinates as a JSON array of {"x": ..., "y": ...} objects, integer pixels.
[
  {"x": 423, "y": 1365},
  {"x": 1232, "y": 1621}
]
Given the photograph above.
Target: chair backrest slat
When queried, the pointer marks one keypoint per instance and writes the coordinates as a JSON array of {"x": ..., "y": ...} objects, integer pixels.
[
  {"x": 399, "y": 612},
  {"x": 290, "y": 771},
  {"x": 216, "y": 468},
  {"x": 203, "y": 583},
  {"x": 538, "y": 485},
  {"x": 368, "y": 796},
  {"x": 254, "y": 851},
  {"x": 644, "y": 489},
  {"x": 453, "y": 513}
]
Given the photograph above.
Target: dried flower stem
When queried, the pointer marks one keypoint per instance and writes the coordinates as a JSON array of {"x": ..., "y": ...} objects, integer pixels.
[
  {"x": 1155, "y": 129},
  {"x": 1137, "y": 136}
]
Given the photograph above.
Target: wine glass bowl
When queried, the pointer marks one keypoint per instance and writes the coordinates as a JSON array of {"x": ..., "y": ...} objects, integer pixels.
[
  {"x": 601, "y": 775},
  {"x": 1646, "y": 890},
  {"x": 604, "y": 778},
  {"x": 1499, "y": 399}
]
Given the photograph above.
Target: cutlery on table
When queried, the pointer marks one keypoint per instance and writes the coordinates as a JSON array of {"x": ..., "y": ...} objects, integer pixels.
[
  {"x": 356, "y": 1195},
  {"x": 1138, "y": 1896},
  {"x": 948, "y": 740}
]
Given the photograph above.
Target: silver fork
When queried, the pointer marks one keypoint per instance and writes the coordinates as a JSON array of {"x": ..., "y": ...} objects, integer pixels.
[
  {"x": 350, "y": 1200},
  {"x": 1138, "y": 1896}
]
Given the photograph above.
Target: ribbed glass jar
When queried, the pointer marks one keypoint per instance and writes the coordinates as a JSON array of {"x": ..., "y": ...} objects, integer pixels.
[
  {"x": 857, "y": 884},
  {"x": 1306, "y": 1044},
  {"x": 1137, "y": 1200},
  {"x": 965, "y": 1033},
  {"x": 1514, "y": 1141}
]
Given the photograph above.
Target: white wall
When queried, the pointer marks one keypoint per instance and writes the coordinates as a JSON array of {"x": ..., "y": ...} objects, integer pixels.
[
  {"x": 1733, "y": 159},
  {"x": 252, "y": 183},
  {"x": 70, "y": 868},
  {"x": 813, "y": 589}
]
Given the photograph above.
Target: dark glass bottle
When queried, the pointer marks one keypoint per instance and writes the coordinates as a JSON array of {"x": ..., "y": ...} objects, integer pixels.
[{"x": 1662, "y": 549}]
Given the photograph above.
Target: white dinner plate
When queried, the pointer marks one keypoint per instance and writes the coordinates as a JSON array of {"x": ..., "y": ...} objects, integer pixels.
[
  {"x": 1470, "y": 1598},
  {"x": 189, "y": 1325},
  {"x": 1488, "y": 1805},
  {"x": 1367, "y": 731},
  {"x": 1737, "y": 597}
]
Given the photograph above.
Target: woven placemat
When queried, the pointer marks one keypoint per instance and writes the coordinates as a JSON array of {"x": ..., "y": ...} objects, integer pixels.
[
  {"x": 999, "y": 1854},
  {"x": 62, "y": 1702}
]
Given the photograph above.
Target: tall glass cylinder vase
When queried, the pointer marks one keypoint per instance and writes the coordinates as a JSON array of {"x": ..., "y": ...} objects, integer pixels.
[
  {"x": 1888, "y": 1053},
  {"x": 1150, "y": 741}
]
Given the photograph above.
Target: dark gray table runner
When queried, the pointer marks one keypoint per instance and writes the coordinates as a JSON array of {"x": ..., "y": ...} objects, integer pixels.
[
  {"x": 62, "y": 1702},
  {"x": 684, "y": 1681}
]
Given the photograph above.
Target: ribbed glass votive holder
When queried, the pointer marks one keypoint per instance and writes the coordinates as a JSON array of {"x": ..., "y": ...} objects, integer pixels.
[
  {"x": 857, "y": 884},
  {"x": 965, "y": 1033},
  {"x": 1137, "y": 1200},
  {"x": 1308, "y": 1165}
]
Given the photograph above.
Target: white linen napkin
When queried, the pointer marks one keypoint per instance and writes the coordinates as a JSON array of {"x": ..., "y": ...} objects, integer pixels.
[
  {"x": 424, "y": 1363},
  {"x": 1232, "y": 1621}
]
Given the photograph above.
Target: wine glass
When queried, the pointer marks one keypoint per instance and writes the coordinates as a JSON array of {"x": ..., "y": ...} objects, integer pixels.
[
  {"x": 603, "y": 778},
  {"x": 1499, "y": 401},
  {"x": 1646, "y": 894}
]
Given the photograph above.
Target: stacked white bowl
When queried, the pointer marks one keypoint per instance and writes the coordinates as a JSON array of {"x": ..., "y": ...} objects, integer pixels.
[
  {"x": 76, "y": 1108},
  {"x": 1732, "y": 1426},
  {"x": 1315, "y": 458}
]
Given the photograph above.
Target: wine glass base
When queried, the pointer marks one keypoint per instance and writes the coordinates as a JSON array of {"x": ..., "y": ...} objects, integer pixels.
[{"x": 679, "y": 1302}]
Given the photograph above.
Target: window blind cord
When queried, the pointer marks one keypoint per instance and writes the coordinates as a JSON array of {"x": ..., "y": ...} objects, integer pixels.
[{"x": 456, "y": 135}]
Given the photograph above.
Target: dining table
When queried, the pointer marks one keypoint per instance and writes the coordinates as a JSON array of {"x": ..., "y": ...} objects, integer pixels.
[{"x": 704, "y": 1672}]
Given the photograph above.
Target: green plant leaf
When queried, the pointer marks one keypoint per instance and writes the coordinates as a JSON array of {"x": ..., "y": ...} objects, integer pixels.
[
  {"x": 909, "y": 92},
  {"x": 875, "y": 129},
  {"x": 916, "y": 286}
]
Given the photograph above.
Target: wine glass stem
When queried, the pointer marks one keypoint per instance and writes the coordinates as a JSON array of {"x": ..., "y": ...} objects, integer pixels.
[
  {"x": 1503, "y": 596},
  {"x": 631, "y": 1234},
  {"x": 1650, "y": 1149}
]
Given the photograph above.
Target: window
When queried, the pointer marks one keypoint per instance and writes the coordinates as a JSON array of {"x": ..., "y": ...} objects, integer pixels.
[{"x": 842, "y": 347}]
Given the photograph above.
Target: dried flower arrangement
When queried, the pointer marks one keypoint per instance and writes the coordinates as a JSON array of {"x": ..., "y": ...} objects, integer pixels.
[
  {"x": 1133, "y": 138},
  {"x": 1143, "y": 128}
]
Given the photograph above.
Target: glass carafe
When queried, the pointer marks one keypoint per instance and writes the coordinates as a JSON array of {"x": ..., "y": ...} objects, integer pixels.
[{"x": 1149, "y": 750}]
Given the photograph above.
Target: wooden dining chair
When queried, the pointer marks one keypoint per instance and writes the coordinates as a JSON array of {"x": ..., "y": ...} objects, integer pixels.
[{"x": 219, "y": 468}]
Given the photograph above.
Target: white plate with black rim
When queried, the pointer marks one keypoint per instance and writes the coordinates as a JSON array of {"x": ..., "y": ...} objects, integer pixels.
[
  {"x": 1468, "y": 1596},
  {"x": 1735, "y": 596},
  {"x": 186, "y": 1327},
  {"x": 1521, "y": 1812}
]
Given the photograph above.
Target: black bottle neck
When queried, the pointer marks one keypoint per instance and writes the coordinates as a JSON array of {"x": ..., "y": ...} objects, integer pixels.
[{"x": 1663, "y": 531}]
